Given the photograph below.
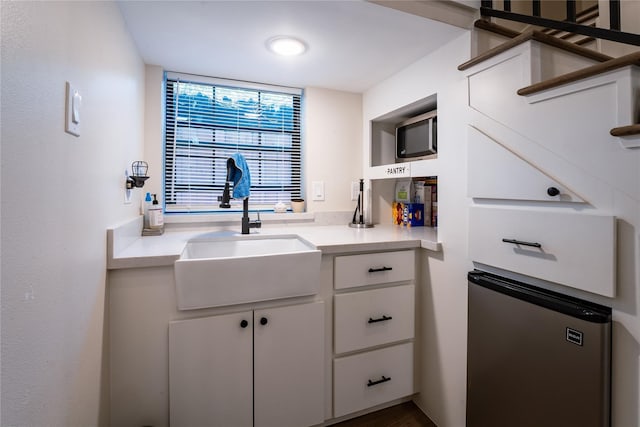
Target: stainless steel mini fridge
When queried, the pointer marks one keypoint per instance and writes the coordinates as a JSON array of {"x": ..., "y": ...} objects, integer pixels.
[{"x": 535, "y": 358}]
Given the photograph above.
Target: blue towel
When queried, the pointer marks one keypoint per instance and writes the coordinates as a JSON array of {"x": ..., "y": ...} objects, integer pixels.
[{"x": 240, "y": 176}]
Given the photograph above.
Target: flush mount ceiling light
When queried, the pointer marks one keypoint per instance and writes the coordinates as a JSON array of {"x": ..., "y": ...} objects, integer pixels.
[{"x": 286, "y": 46}]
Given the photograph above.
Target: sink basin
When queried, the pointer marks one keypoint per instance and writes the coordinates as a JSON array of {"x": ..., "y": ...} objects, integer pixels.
[{"x": 219, "y": 269}]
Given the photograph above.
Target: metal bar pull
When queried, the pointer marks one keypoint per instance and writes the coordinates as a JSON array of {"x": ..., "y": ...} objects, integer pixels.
[
  {"x": 520, "y": 242},
  {"x": 380, "y": 319},
  {"x": 380, "y": 381},
  {"x": 375, "y": 270}
]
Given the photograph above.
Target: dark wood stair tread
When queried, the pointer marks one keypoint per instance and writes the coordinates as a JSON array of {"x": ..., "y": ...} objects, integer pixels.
[
  {"x": 526, "y": 36},
  {"x": 594, "y": 70},
  {"x": 626, "y": 130}
]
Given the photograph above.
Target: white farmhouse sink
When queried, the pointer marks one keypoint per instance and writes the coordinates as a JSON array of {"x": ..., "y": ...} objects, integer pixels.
[{"x": 222, "y": 269}]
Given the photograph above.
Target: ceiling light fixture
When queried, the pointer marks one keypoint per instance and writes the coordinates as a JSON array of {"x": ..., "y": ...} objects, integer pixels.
[{"x": 286, "y": 46}]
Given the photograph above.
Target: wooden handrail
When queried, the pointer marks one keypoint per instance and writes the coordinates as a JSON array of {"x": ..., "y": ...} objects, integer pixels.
[
  {"x": 626, "y": 130},
  {"x": 612, "y": 64},
  {"x": 526, "y": 36}
]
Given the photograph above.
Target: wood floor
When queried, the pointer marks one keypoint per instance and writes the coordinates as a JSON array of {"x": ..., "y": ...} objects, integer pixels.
[{"x": 404, "y": 415}]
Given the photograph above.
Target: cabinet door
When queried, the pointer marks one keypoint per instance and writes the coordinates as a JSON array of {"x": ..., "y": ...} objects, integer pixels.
[
  {"x": 210, "y": 371},
  {"x": 289, "y": 366}
]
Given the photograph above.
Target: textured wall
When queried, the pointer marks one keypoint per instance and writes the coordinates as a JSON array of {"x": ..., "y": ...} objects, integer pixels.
[{"x": 59, "y": 194}]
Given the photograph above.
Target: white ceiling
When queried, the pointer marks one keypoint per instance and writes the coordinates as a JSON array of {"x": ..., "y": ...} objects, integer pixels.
[{"x": 353, "y": 44}]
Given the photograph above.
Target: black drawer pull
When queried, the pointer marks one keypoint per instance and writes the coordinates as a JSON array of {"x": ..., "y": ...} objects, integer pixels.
[
  {"x": 380, "y": 381},
  {"x": 380, "y": 319},
  {"x": 520, "y": 242},
  {"x": 553, "y": 191},
  {"x": 375, "y": 270}
]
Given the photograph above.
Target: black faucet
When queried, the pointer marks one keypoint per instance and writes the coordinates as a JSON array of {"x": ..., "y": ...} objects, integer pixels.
[{"x": 226, "y": 197}]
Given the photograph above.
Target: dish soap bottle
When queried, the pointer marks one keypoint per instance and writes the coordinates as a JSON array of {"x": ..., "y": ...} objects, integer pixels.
[{"x": 156, "y": 219}]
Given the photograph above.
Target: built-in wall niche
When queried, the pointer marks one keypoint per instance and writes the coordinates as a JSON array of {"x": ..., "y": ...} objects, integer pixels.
[
  {"x": 383, "y": 131},
  {"x": 384, "y": 190}
]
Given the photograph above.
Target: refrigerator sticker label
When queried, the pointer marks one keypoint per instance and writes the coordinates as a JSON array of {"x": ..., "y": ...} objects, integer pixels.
[{"x": 574, "y": 336}]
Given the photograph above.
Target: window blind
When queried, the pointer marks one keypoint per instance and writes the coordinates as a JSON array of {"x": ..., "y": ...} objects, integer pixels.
[{"x": 207, "y": 120}]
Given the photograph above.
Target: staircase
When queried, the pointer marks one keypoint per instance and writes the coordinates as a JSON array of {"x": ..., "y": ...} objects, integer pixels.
[
  {"x": 579, "y": 28},
  {"x": 587, "y": 17},
  {"x": 579, "y": 64}
]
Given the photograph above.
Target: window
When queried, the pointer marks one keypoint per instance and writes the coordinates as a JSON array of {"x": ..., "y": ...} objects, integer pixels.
[{"x": 207, "y": 120}]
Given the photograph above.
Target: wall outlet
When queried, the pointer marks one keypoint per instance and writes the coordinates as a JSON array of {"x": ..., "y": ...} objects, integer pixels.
[{"x": 355, "y": 190}]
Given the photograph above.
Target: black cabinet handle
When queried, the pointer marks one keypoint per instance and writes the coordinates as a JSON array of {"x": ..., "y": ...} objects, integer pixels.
[
  {"x": 264, "y": 321},
  {"x": 553, "y": 191},
  {"x": 520, "y": 242},
  {"x": 380, "y": 319},
  {"x": 375, "y": 270},
  {"x": 380, "y": 381},
  {"x": 244, "y": 324}
]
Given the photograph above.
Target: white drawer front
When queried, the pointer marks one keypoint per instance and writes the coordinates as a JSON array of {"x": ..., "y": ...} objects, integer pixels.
[
  {"x": 369, "y": 318},
  {"x": 372, "y": 378},
  {"x": 576, "y": 250},
  {"x": 371, "y": 269}
]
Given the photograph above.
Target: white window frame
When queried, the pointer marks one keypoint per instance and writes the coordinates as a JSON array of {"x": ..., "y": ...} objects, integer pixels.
[{"x": 194, "y": 158}]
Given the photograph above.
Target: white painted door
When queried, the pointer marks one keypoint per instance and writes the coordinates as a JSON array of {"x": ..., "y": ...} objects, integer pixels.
[
  {"x": 289, "y": 366},
  {"x": 210, "y": 371}
]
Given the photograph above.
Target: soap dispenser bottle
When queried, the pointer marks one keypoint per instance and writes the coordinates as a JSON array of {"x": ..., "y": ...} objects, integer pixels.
[
  {"x": 156, "y": 219},
  {"x": 145, "y": 210}
]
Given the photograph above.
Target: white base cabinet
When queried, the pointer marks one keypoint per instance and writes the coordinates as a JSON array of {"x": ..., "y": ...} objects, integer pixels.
[
  {"x": 262, "y": 368},
  {"x": 374, "y": 329}
]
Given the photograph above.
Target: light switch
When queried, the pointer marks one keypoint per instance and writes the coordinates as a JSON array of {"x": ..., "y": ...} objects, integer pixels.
[
  {"x": 317, "y": 188},
  {"x": 72, "y": 105}
]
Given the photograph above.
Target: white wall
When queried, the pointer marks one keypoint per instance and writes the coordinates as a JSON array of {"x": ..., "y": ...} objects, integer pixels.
[
  {"x": 59, "y": 194},
  {"x": 332, "y": 141},
  {"x": 333, "y": 146},
  {"x": 443, "y": 300}
]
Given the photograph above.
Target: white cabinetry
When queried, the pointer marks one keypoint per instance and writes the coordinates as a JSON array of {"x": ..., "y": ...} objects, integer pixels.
[
  {"x": 576, "y": 250},
  {"x": 260, "y": 368},
  {"x": 532, "y": 235},
  {"x": 210, "y": 371},
  {"x": 374, "y": 325}
]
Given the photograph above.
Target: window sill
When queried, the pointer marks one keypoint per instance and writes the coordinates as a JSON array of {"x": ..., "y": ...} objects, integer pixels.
[{"x": 232, "y": 218}]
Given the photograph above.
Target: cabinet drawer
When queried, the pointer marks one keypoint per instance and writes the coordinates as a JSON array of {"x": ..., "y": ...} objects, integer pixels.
[
  {"x": 372, "y": 378},
  {"x": 371, "y": 269},
  {"x": 369, "y": 318},
  {"x": 576, "y": 250}
]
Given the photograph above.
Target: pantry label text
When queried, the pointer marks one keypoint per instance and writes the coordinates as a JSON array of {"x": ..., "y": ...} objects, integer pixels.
[{"x": 397, "y": 171}]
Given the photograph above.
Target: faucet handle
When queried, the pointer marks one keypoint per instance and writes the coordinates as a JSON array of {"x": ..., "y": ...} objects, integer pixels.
[{"x": 257, "y": 223}]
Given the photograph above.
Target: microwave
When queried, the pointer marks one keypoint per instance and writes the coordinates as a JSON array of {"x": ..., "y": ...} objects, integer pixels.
[{"x": 417, "y": 137}]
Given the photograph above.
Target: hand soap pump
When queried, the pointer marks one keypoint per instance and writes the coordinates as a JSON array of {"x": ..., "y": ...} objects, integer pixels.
[
  {"x": 156, "y": 219},
  {"x": 145, "y": 210}
]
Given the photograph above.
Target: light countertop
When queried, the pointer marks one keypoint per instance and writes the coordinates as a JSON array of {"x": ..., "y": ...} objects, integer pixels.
[{"x": 127, "y": 249}]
